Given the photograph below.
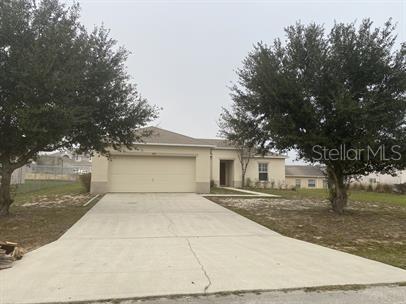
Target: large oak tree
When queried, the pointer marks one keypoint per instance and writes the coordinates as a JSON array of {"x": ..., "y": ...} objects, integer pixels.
[
  {"x": 61, "y": 87},
  {"x": 323, "y": 94}
]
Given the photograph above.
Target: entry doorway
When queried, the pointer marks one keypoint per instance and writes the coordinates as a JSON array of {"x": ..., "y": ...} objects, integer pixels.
[{"x": 226, "y": 173}]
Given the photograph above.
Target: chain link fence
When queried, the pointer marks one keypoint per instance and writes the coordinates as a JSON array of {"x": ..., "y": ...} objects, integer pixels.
[{"x": 38, "y": 177}]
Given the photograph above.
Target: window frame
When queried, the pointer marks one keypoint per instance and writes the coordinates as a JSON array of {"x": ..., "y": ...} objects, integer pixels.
[
  {"x": 372, "y": 180},
  {"x": 263, "y": 174},
  {"x": 308, "y": 183}
]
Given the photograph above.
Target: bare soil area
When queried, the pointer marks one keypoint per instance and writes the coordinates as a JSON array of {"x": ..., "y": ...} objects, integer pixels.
[
  {"x": 40, "y": 217},
  {"x": 372, "y": 230}
]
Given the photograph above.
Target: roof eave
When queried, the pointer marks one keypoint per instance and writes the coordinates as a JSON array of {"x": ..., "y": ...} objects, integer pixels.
[{"x": 173, "y": 145}]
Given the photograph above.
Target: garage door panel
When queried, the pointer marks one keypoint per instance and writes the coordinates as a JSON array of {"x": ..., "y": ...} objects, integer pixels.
[{"x": 152, "y": 174}]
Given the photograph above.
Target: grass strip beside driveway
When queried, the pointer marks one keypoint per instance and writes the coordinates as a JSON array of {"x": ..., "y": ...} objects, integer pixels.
[
  {"x": 322, "y": 194},
  {"x": 372, "y": 230},
  {"x": 42, "y": 216}
]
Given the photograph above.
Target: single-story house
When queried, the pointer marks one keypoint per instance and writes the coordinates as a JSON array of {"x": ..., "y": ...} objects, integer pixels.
[
  {"x": 170, "y": 162},
  {"x": 377, "y": 178},
  {"x": 305, "y": 177}
]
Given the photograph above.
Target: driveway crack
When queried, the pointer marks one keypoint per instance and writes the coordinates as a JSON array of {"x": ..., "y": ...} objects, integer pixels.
[
  {"x": 171, "y": 224},
  {"x": 201, "y": 266}
]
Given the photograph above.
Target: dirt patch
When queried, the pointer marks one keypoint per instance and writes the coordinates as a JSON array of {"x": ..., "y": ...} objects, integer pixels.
[
  {"x": 372, "y": 230},
  {"x": 58, "y": 201},
  {"x": 38, "y": 218}
]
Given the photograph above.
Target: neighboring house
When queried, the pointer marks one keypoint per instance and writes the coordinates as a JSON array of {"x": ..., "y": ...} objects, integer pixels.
[
  {"x": 305, "y": 177},
  {"x": 63, "y": 162},
  {"x": 377, "y": 178},
  {"x": 172, "y": 162}
]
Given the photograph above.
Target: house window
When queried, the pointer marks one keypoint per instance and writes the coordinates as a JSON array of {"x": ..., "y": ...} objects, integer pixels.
[
  {"x": 263, "y": 171},
  {"x": 325, "y": 184},
  {"x": 298, "y": 183},
  {"x": 311, "y": 183},
  {"x": 372, "y": 180}
]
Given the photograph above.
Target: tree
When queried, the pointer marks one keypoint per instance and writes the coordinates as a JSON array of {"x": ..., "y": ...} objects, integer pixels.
[
  {"x": 243, "y": 133},
  {"x": 338, "y": 99},
  {"x": 61, "y": 88}
]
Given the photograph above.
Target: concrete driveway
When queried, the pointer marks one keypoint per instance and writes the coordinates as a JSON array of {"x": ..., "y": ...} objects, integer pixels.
[{"x": 136, "y": 245}]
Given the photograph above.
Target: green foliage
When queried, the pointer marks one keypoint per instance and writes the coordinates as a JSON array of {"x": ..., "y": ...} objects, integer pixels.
[
  {"x": 85, "y": 180},
  {"x": 346, "y": 87},
  {"x": 61, "y": 87}
]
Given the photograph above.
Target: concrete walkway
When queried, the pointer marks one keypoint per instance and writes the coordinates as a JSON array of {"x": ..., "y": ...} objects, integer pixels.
[
  {"x": 251, "y": 192},
  {"x": 244, "y": 192},
  {"x": 137, "y": 245}
]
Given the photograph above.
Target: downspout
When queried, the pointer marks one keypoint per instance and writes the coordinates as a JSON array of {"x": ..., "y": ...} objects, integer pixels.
[{"x": 211, "y": 165}]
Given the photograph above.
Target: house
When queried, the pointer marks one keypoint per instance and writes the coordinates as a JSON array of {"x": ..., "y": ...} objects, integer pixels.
[
  {"x": 377, "y": 178},
  {"x": 305, "y": 177},
  {"x": 170, "y": 162},
  {"x": 62, "y": 162}
]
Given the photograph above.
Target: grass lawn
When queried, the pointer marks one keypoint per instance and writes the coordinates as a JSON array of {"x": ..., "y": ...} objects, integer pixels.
[
  {"x": 375, "y": 230},
  {"x": 41, "y": 216},
  {"x": 358, "y": 196}
]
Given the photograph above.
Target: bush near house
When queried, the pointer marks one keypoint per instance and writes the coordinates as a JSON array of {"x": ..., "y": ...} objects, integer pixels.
[{"x": 400, "y": 188}]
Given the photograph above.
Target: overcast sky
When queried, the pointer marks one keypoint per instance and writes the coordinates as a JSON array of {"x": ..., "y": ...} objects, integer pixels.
[{"x": 184, "y": 53}]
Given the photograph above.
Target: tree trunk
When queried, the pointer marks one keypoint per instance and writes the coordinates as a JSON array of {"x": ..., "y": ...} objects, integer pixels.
[
  {"x": 243, "y": 179},
  {"x": 5, "y": 196},
  {"x": 338, "y": 191}
]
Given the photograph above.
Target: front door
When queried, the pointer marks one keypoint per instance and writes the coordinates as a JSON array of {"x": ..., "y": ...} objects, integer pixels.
[{"x": 222, "y": 174}]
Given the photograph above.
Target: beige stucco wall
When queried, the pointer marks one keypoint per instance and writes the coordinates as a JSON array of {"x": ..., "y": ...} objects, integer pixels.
[
  {"x": 399, "y": 178},
  {"x": 207, "y": 166},
  {"x": 276, "y": 170},
  {"x": 100, "y": 165},
  {"x": 291, "y": 182},
  {"x": 276, "y": 167},
  {"x": 217, "y": 155}
]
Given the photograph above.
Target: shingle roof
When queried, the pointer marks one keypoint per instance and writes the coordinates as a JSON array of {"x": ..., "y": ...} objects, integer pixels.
[
  {"x": 161, "y": 136},
  {"x": 220, "y": 143},
  {"x": 304, "y": 171}
]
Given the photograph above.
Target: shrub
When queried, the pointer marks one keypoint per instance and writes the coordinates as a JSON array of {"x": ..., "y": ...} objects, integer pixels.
[
  {"x": 212, "y": 184},
  {"x": 383, "y": 188},
  {"x": 85, "y": 180},
  {"x": 400, "y": 188}
]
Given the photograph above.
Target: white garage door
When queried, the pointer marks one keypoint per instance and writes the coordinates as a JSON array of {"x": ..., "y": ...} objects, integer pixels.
[{"x": 152, "y": 174}]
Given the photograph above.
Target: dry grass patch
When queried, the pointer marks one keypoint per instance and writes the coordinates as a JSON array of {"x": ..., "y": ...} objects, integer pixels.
[
  {"x": 40, "y": 217},
  {"x": 372, "y": 230}
]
